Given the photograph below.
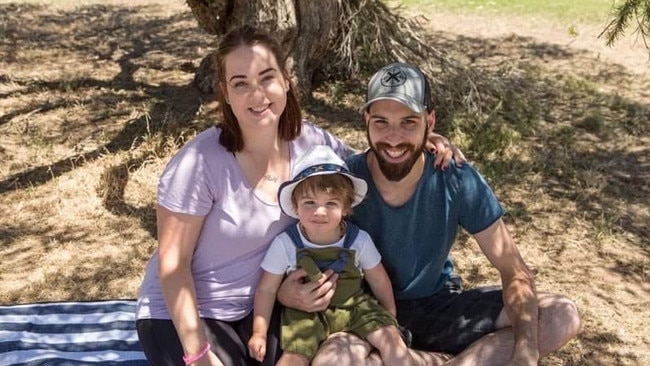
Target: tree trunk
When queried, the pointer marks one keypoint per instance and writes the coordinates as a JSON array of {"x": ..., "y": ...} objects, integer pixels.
[
  {"x": 334, "y": 36},
  {"x": 303, "y": 27}
]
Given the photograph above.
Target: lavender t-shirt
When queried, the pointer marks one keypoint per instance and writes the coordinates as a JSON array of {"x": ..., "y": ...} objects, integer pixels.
[{"x": 204, "y": 179}]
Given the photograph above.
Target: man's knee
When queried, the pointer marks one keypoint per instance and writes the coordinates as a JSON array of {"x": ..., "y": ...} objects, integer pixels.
[
  {"x": 560, "y": 320},
  {"x": 342, "y": 340},
  {"x": 565, "y": 314},
  {"x": 559, "y": 317},
  {"x": 342, "y": 349}
]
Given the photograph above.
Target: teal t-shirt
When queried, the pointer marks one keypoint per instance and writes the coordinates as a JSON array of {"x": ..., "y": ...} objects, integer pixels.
[{"x": 415, "y": 239}]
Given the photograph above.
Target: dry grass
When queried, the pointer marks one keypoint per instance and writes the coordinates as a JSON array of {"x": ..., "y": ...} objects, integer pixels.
[{"x": 95, "y": 98}]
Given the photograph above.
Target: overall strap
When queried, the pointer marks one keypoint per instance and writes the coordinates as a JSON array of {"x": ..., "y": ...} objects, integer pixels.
[
  {"x": 292, "y": 231},
  {"x": 337, "y": 265},
  {"x": 351, "y": 233}
]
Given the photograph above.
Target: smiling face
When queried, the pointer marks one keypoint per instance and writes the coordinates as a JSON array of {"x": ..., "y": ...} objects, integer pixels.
[
  {"x": 256, "y": 51},
  {"x": 255, "y": 87},
  {"x": 320, "y": 215},
  {"x": 396, "y": 136},
  {"x": 321, "y": 202}
]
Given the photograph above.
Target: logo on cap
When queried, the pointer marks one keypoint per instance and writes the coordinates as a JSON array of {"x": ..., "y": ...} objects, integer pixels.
[{"x": 393, "y": 77}]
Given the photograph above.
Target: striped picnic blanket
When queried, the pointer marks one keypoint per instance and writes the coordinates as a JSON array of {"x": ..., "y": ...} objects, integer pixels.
[{"x": 98, "y": 333}]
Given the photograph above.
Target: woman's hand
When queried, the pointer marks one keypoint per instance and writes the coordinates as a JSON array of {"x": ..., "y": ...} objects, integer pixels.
[
  {"x": 444, "y": 151},
  {"x": 310, "y": 296}
]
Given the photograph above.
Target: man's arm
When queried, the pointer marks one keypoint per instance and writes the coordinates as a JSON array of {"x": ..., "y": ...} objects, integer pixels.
[
  {"x": 307, "y": 296},
  {"x": 519, "y": 294},
  {"x": 444, "y": 151}
]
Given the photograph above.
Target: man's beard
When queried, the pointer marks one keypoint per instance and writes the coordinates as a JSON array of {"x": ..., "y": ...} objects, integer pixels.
[{"x": 395, "y": 172}]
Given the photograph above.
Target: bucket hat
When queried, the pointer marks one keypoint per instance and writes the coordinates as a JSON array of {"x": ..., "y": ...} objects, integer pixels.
[{"x": 317, "y": 160}]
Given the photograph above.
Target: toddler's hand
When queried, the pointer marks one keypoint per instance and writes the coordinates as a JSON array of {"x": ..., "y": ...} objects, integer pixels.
[{"x": 257, "y": 346}]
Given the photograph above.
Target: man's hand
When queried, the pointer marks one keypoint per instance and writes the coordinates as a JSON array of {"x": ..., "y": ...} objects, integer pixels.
[
  {"x": 310, "y": 296},
  {"x": 444, "y": 151}
]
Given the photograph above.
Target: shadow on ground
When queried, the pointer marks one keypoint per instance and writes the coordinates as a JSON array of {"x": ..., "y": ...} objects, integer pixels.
[
  {"x": 557, "y": 114},
  {"x": 120, "y": 36}
]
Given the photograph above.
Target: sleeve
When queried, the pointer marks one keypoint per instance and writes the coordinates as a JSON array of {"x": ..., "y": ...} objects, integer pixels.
[
  {"x": 479, "y": 206},
  {"x": 276, "y": 260},
  {"x": 184, "y": 185},
  {"x": 314, "y": 135},
  {"x": 367, "y": 254}
]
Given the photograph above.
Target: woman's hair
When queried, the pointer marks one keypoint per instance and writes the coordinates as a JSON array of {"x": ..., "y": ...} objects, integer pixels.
[
  {"x": 337, "y": 185},
  {"x": 290, "y": 119}
]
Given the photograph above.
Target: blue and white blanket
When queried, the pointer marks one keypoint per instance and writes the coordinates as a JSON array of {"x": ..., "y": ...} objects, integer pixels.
[{"x": 100, "y": 333}]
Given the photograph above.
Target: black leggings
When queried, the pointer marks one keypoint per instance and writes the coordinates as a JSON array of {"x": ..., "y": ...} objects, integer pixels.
[{"x": 229, "y": 341}]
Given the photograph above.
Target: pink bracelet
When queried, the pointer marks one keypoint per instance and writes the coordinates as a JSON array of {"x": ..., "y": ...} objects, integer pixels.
[{"x": 190, "y": 359}]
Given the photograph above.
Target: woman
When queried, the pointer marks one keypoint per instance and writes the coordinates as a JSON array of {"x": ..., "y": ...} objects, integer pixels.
[{"x": 217, "y": 212}]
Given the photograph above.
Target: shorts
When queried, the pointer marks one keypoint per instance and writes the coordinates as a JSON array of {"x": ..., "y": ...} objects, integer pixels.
[
  {"x": 303, "y": 332},
  {"x": 452, "y": 319}
]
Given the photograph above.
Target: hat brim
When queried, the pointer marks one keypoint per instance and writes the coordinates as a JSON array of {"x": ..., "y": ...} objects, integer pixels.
[
  {"x": 286, "y": 191},
  {"x": 411, "y": 103}
]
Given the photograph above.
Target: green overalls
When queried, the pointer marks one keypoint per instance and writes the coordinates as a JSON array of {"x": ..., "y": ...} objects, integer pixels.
[{"x": 350, "y": 310}]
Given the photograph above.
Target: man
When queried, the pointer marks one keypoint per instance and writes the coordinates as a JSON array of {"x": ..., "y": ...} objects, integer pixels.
[{"x": 412, "y": 212}]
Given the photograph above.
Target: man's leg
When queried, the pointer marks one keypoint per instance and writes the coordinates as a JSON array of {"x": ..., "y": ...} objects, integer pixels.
[
  {"x": 452, "y": 319},
  {"x": 390, "y": 345},
  {"x": 429, "y": 329},
  {"x": 293, "y": 359},
  {"x": 346, "y": 349},
  {"x": 559, "y": 321}
]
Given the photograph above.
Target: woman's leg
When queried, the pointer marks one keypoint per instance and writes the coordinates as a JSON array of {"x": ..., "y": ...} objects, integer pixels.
[
  {"x": 159, "y": 342},
  {"x": 273, "y": 350},
  {"x": 162, "y": 346}
]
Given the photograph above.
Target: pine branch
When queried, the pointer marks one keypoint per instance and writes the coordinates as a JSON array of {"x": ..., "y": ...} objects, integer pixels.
[{"x": 637, "y": 10}]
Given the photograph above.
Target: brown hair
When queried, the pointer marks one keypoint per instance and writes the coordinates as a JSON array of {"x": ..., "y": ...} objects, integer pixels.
[
  {"x": 290, "y": 119},
  {"x": 337, "y": 185}
]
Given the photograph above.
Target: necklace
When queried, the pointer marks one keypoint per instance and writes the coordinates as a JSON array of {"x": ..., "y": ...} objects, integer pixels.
[{"x": 270, "y": 178}]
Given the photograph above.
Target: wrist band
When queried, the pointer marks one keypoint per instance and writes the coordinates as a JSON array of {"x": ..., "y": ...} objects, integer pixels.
[{"x": 190, "y": 359}]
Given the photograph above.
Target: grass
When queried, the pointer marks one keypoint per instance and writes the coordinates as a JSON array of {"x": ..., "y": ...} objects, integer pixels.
[
  {"x": 565, "y": 11},
  {"x": 69, "y": 4},
  {"x": 86, "y": 133}
]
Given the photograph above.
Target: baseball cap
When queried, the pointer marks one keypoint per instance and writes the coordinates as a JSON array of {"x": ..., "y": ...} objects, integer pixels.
[
  {"x": 402, "y": 83},
  {"x": 317, "y": 160}
]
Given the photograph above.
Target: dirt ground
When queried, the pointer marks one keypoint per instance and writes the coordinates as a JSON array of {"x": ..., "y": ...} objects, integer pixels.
[
  {"x": 611, "y": 287},
  {"x": 95, "y": 97},
  {"x": 610, "y": 282}
]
